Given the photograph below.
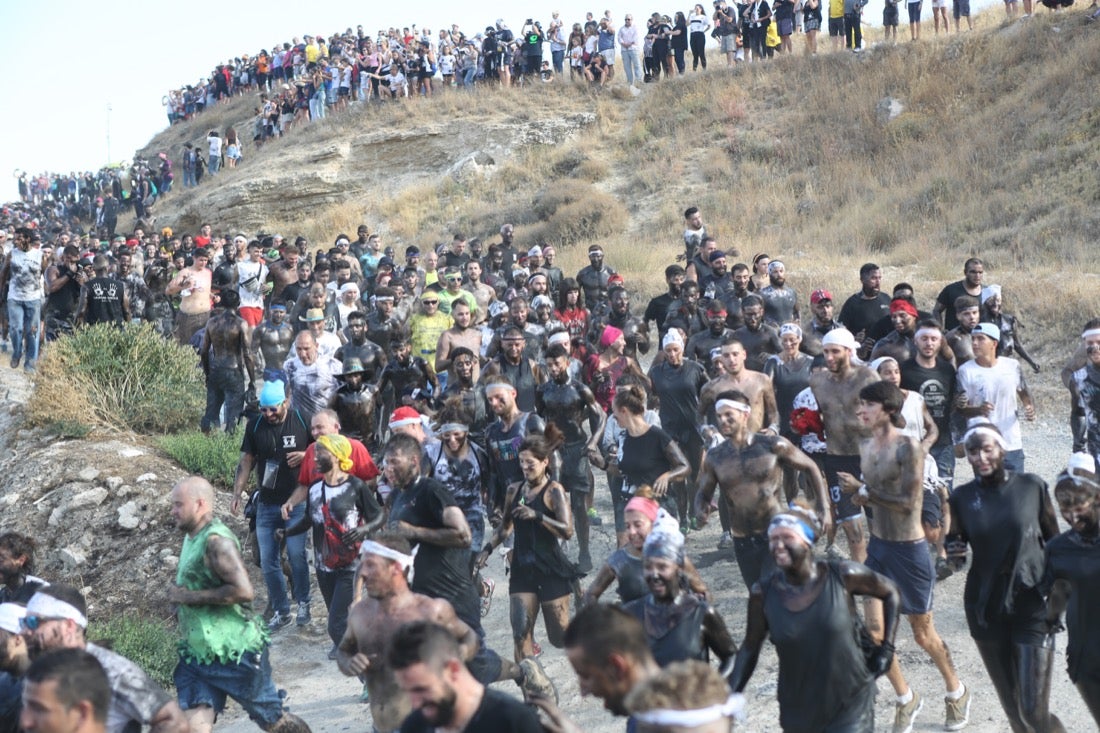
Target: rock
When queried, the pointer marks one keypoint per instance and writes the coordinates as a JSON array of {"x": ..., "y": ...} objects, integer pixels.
[
  {"x": 170, "y": 561},
  {"x": 129, "y": 515},
  {"x": 91, "y": 497},
  {"x": 73, "y": 557},
  {"x": 113, "y": 482},
  {"x": 478, "y": 163},
  {"x": 88, "y": 474},
  {"x": 146, "y": 477},
  {"x": 56, "y": 516},
  {"x": 131, "y": 452},
  {"x": 887, "y": 109}
]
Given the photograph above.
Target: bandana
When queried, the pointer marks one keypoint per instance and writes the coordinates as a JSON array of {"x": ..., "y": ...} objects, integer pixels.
[
  {"x": 646, "y": 507},
  {"x": 880, "y": 361},
  {"x": 45, "y": 605},
  {"x": 905, "y": 306},
  {"x": 733, "y": 404},
  {"x": 370, "y": 547},
  {"x": 985, "y": 429},
  {"x": 672, "y": 337},
  {"x": 840, "y": 337},
  {"x": 790, "y": 328},
  {"x": 733, "y": 707},
  {"x": 609, "y": 336},
  {"x": 10, "y": 616},
  {"x": 340, "y": 448},
  {"x": 790, "y": 521},
  {"x": 273, "y": 394},
  {"x": 665, "y": 540}
]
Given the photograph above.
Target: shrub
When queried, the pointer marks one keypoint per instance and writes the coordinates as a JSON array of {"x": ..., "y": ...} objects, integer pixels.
[
  {"x": 149, "y": 643},
  {"x": 214, "y": 456},
  {"x": 128, "y": 379}
]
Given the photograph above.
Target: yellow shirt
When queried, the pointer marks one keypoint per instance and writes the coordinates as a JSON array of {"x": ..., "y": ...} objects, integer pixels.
[
  {"x": 313, "y": 52},
  {"x": 425, "y": 332},
  {"x": 836, "y": 8}
]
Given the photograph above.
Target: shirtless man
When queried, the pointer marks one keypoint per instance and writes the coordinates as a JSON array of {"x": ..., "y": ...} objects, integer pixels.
[
  {"x": 968, "y": 315},
  {"x": 893, "y": 481},
  {"x": 285, "y": 271},
  {"x": 566, "y": 402},
  {"x": 389, "y": 605},
  {"x": 226, "y": 357},
  {"x": 483, "y": 294},
  {"x": 757, "y": 387},
  {"x": 461, "y": 334},
  {"x": 837, "y": 393},
  {"x": 272, "y": 341},
  {"x": 748, "y": 469},
  {"x": 192, "y": 284},
  {"x": 358, "y": 346}
]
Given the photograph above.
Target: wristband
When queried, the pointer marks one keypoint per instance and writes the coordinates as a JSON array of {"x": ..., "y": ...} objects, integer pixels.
[{"x": 863, "y": 492}]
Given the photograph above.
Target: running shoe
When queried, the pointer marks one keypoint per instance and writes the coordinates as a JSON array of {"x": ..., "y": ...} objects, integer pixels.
[
  {"x": 536, "y": 681},
  {"x": 488, "y": 585},
  {"x": 726, "y": 541},
  {"x": 958, "y": 712},
  {"x": 943, "y": 569},
  {"x": 906, "y": 714},
  {"x": 302, "y": 618},
  {"x": 594, "y": 518},
  {"x": 279, "y": 620}
]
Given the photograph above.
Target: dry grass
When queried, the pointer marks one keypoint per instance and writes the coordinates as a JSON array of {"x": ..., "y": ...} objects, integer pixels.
[{"x": 995, "y": 154}]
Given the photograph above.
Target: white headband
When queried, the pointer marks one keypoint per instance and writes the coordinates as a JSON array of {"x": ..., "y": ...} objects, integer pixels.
[
  {"x": 790, "y": 328},
  {"x": 370, "y": 547},
  {"x": 733, "y": 707},
  {"x": 1081, "y": 462},
  {"x": 1090, "y": 333},
  {"x": 672, "y": 337},
  {"x": 791, "y": 521},
  {"x": 733, "y": 404},
  {"x": 489, "y": 389},
  {"x": 45, "y": 605},
  {"x": 561, "y": 337},
  {"x": 926, "y": 329},
  {"x": 986, "y": 430},
  {"x": 452, "y": 427}
]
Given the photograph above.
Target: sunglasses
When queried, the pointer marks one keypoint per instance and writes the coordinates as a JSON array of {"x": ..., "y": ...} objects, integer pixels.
[
  {"x": 431, "y": 302},
  {"x": 269, "y": 410},
  {"x": 32, "y": 623}
]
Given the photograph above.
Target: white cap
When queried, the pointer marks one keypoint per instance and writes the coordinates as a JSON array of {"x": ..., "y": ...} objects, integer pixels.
[{"x": 10, "y": 616}]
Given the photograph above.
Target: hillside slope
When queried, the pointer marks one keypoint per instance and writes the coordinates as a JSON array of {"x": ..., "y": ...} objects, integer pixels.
[{"x": 994, "y": 153}]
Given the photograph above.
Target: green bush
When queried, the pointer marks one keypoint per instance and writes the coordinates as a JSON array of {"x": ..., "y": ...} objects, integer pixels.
[
  {"x": 152, "y": 645},
  {"x": 213, "y": 456},
  {"x": 128, "y": 379}
]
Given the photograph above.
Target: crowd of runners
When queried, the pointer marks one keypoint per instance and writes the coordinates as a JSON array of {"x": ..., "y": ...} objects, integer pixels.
[{"x": 406, "y": 416}]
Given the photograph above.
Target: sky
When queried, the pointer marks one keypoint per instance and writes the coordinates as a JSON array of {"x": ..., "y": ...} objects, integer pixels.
[{"x": 90, "y": 77}]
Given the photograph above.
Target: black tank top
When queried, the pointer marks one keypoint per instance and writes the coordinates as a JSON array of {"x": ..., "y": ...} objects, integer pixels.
[
  {"x": 536, "y": 548},
  {"x": 810, "y": 697},
  {"x": 684, "y": 640},
  {"x": 523, "y": 379}
]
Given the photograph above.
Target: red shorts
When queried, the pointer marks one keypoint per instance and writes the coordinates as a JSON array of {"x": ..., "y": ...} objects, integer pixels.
[{"x": 252, "y": 315}]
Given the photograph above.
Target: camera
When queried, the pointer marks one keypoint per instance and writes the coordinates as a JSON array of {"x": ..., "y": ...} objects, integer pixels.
[{"x": 529, "y": 22}]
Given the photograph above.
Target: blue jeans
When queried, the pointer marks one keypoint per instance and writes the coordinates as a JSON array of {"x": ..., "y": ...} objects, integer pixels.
[
  {"x": 224, "y": 386},
  {"x": 632, "y": 66},
  {"x": 214, "y": 164},
  {"x": 269, "y": 517},
  {"x": 247, "y": 681},
  {"x": 188, "y": 178},
  {"x": 945, "y": 463},
  {"x": 24, "y": 316},
  {"x": 317, "y": 105},
  {"x": 469, "y": 75},
  {"x": 558, "y": 61}
]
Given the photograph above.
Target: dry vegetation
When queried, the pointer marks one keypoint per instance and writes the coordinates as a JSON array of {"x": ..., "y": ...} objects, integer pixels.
[{"x": 996, "y": 155}]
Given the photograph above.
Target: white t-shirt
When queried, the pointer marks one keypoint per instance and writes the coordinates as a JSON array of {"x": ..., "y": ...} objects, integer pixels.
[
  {"x": 698, "y": 23},
  {"x": 26, "y": 274},
  {"x": 251, "y": 276},
  {"x": 215, "y": 146},
  {"x": 913, "y": 412},
  {"x": 998, "y": 385}
]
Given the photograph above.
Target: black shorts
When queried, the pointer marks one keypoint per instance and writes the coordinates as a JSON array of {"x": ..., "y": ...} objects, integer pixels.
[
  {"x": 543, "y": 585},
  {"x": 836, "y": 27},
  {"x": 846, "y": 509},
  {"x": 754, "y": 558},
  {"x": 931, "y": 511},
  {"x": 910, "y": 566},
  {"x": 890, "y": 15}
]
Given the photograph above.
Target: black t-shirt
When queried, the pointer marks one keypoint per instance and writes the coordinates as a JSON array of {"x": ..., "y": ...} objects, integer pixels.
[
  {"x": 861, "y": 314},
  {"x": 657, "y": 310},
  {"x": 678, "y": 388},
  {"x": 450, "y": 259},
  {"x": 439, "y": 572},
  {"x": 946, "y": 298},
  {"x": 497, "y": 713},
  {"x": 937, "y": 387},
  {"x": 643, "y": 457},
  {"x": 269, "y": 445}
]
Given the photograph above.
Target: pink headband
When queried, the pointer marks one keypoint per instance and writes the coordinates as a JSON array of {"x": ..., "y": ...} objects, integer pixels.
[
  {"x": 646, "y": 507},
  {"x": 609, "y": 336}
]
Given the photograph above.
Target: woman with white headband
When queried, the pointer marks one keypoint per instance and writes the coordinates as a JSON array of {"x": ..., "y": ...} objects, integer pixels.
[
  {"x": 993, "y": 312},
  {"x": 806, "y": 607},
  {"x": 1006, "y": 517},
  {"x": 790, "y": 373},
  {"x": 1073, "y": 570}
]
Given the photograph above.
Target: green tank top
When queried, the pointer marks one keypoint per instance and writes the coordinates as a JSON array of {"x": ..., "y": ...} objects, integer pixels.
[{"x": 213, "y": 633}]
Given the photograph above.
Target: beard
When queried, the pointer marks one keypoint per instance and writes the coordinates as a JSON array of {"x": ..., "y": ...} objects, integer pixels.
[{"x": 444, "y": 710}]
